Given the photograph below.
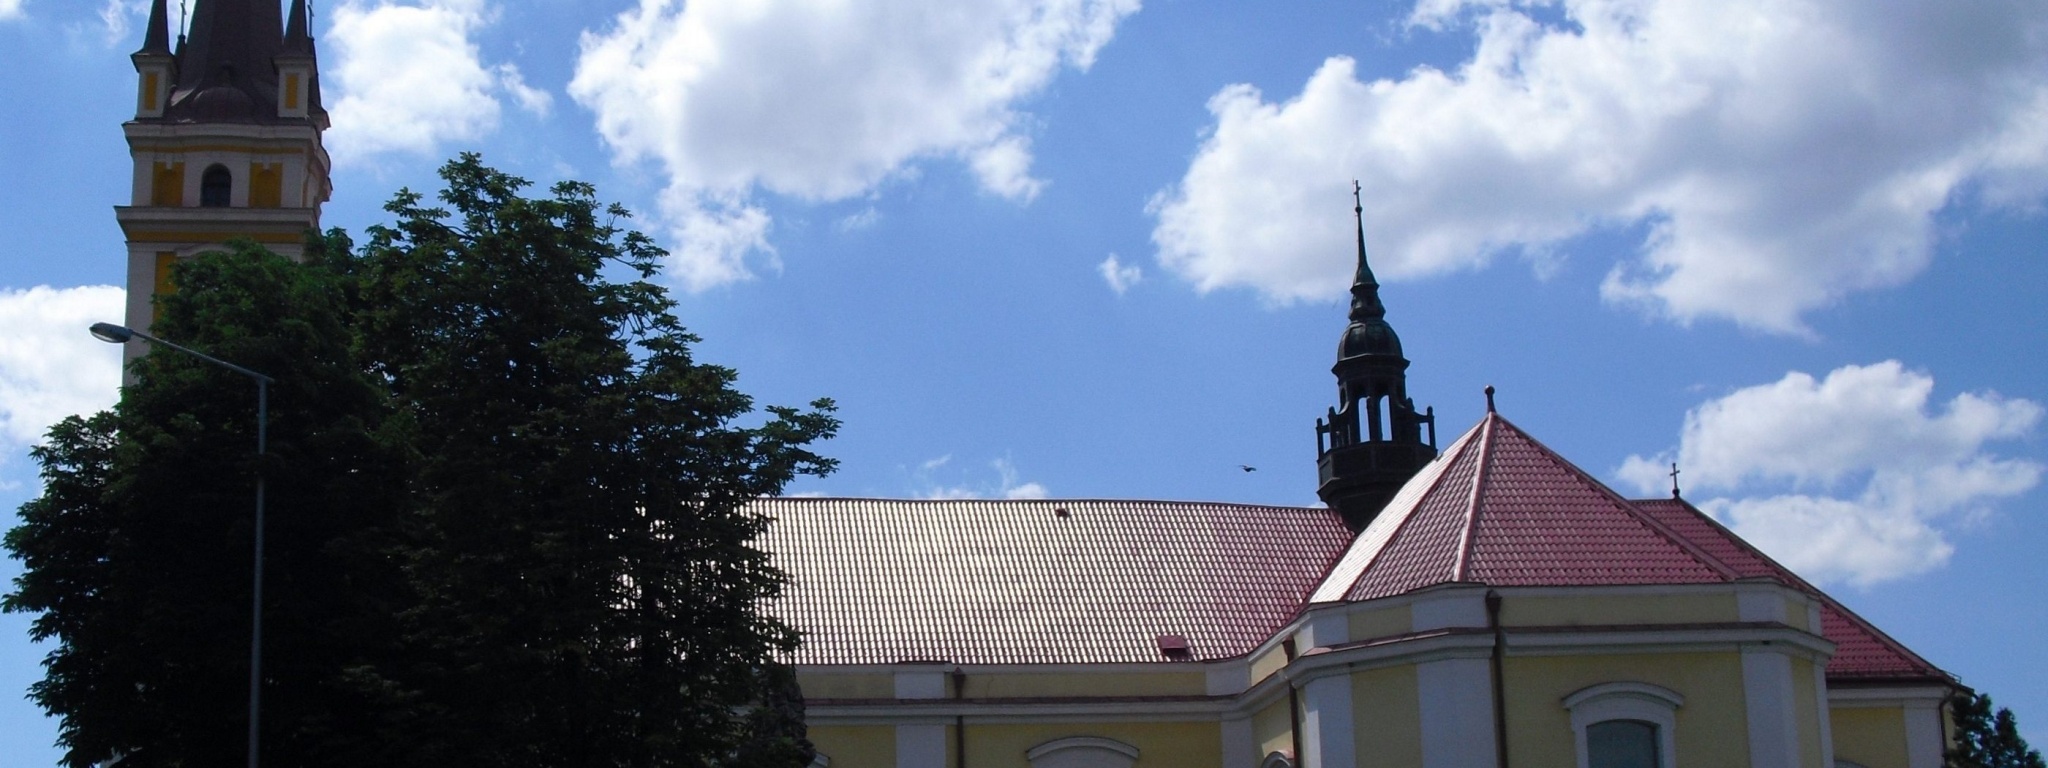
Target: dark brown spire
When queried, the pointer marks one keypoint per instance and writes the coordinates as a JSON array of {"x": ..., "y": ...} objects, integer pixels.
[
  {"x": 1365, "y": 289},
  {"x": 297, "y": 39},
  {"x": 1371, "y": 442},
  {"x": 156, "y": 35},
  {"x": 227, "y": 63}
]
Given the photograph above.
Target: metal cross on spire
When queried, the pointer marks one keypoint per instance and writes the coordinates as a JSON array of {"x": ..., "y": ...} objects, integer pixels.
[{"x": 1674, "y": 479}]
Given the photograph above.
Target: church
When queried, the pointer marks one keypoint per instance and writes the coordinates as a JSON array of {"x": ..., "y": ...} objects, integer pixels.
[{"x": 1477, "y": 603}]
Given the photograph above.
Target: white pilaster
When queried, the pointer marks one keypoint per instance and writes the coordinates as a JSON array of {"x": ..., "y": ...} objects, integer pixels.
[
  {"x": 1327, "y": 730},
  {"x": 1457, "y": 712},
  {"x": 1773, "y": 723},
  {"x": 1325, "y": 630},
  {"x": 1923, "y": 734},
  {"x": 1820, "y": 703},
  {"x": 1444, "y": 610}
]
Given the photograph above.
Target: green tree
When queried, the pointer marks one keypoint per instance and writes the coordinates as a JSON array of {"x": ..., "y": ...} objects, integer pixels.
[
  {"x": 509, "y": 521},
  {"x": 587, "y": 589},
  {"x": 137, "y": 556},
  {"x": 1984, "y": 739}
]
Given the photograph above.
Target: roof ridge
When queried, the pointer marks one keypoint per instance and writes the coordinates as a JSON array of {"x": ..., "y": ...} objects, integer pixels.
[
  {"x": 1435, "y": 471},
  {"x": 1077, "y": 500},
  {"x": 1460, "y": 565},
  {"x": 1801, "y": 584},
  {"x": 1684, "y": 544}
]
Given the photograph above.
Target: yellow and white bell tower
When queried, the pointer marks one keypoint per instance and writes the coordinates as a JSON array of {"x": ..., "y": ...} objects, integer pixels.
[{"x": 226, "y": 140}]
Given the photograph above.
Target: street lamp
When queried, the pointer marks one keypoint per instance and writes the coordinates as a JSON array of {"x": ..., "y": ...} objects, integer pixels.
[{"x": 115, "y": 334}]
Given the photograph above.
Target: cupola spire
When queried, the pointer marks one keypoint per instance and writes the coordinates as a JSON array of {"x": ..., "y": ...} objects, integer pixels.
[
  {"x": 156, "y": 34},
  {"x": 1371, "y": 443}
]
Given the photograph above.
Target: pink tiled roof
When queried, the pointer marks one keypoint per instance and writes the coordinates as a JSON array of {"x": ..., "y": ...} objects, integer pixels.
[
  {"x": 1861, "y": 650},
  {"x": 1012, "y": 582},
  {"x": 1500, "y": 508},
  {"x": 876, "y": 581}
]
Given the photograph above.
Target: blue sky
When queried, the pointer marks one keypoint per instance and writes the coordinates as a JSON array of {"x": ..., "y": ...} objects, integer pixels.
[{"x": 1083, "y": 248}]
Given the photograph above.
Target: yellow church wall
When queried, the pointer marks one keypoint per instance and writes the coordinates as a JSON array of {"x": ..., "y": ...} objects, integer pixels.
[
  {"x": 1011, "y": 686},
  {"x": 266, "y": 185},
  {"x": 167, "y": 185},
  {"x": 1273, "y": 729},
  {"x": 856, "y": 746},
  {"x": 1806, "y": 705},
  {"x": 1387, "y": 718},
  {"x": 150, "y": 81},
  {"x": 1382, "y": 622},
  {"x": 1166, "y": 745},
  {"x": 1711, "y": 724},
  {"x": 296, "y": 237},
  {"x": 847, "y": 686},
  {"x": 1873, "y": 737},
  {"x": 1265, "y": 664},
  {"x": 1607, "y": 610}
]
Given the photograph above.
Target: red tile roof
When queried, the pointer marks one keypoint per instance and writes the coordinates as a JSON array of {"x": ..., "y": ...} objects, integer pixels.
[
  {"x": 876, "y": 581},
  {"x": 1014, "y": 582},
  {"x": 1500, "y": 508},
  {"x": 1862, "y": 652}
]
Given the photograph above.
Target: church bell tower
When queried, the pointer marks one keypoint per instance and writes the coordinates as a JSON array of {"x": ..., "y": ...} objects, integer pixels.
[
  {"x": 1371, "y": 443},
  {"x": 225, "y": 140}
]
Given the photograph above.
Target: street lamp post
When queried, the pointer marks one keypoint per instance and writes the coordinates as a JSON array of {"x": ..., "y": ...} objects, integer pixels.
[{"x": 115, "y": 334}]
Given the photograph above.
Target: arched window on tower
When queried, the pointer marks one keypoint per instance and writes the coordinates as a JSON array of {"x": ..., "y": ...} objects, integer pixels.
[{"x": 216, "y": 187}]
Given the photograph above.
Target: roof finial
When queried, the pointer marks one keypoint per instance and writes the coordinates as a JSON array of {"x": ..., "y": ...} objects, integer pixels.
[
  {"x": 1365, "y": 289},
  {"x": 1674, "y": 480},
  {"x": 1489, "y": 398}
]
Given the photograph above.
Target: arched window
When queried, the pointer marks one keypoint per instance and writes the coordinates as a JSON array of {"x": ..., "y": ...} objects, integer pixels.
[
  {"x": 1621, "y": 744},
  {"x": 1277, "y": 760},
  {"x": 216, "y": 187},
  {"x": 1625, "y": 725},
  {"x": 1082, "y": 752}
]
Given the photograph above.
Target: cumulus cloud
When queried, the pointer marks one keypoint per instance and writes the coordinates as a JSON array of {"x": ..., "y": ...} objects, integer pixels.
[
  {"x": 822, "y": 101},
  {"x": 10, "y": 9},
  {"x": 1779, "y": 154},
  {"x": 50, "y": 367},
  {"x": 1118, "y": 275},
  {"x": 1854, "y": 477},
  {"x": 410, "y": 77}
]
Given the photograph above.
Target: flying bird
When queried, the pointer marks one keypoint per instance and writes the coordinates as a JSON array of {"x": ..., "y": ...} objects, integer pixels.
[{"x": 1247, "y": 467}]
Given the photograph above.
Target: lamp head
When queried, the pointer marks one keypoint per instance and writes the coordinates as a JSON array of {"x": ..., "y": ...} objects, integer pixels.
[{"x": 111, "y": 333}]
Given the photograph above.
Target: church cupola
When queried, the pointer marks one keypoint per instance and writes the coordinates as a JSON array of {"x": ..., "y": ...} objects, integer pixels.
[{"x": 1371, "y": 442}]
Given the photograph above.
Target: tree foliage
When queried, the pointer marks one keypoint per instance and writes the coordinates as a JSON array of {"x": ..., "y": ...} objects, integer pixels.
[
  {"x": 508, "y": 522},
  {"x": 1987, "y": 740}
]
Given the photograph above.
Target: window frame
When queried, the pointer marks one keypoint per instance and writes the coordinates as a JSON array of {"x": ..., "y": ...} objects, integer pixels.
[{"x": 1641, "y": 702}]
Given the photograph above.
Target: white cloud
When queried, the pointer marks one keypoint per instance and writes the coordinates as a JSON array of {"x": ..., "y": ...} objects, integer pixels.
[
  {"x": 1853, "y": 477},
  {"x": 865, "y": 219},
  {"x": 117, "y": 16},
  {"x": 1118, "y": 275},
  {"x": 10, "y": 9},
  {"x": 410, "y": 77},
  {"x": 1781, "y": 154},
  {"x": 823, "y": 101},
  {"x": 50, "y": 367},
  {"x": 1007, "y": 485}
]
